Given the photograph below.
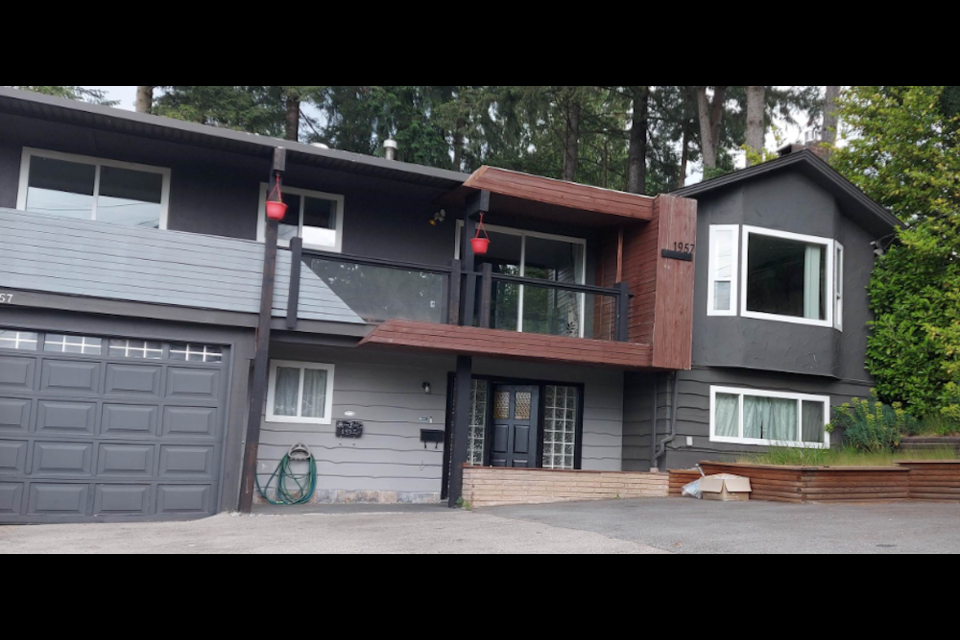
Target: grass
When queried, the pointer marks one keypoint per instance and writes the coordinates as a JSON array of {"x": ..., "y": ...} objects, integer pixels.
[
  {"x": 938, "y": 425},
  {"x": 844, "y": 457}
]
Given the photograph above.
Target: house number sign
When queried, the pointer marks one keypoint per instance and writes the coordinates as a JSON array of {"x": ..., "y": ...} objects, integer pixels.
[
  {"x": 349, "y": 429},
  {"x": 6, "y": 298}
]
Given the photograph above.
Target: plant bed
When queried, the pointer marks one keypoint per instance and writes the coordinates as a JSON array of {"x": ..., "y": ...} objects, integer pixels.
[
  {"x": 934, "y": 480},
  {"x": 820, "y": 484}
]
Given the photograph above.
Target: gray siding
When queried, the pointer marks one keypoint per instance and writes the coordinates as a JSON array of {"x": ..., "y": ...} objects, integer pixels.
[
  {"x": 91, "y": 259},
  {"x": 640, "y": 429}
]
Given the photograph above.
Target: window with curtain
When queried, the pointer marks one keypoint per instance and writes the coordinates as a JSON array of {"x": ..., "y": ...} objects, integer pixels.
[
  {"x": 769, "y": 418},
  {"x": 790, "y": 277},
  {"x": 300, "y": 392}
]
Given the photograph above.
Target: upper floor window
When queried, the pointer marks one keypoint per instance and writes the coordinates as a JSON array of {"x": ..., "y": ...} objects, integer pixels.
[
  {"x": 85, "y": 188},
  {"x": 315, "y": 217}
]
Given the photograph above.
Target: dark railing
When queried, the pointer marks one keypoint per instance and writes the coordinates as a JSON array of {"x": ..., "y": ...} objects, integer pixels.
[{"x": 379, "y": 290}]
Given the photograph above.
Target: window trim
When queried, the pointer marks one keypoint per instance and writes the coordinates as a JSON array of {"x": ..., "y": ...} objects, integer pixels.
[
  {"x": 838, "y": 294},
  {"x": 715, "y": 231},
  {"x": 319, "y": 195},
  {"x": 830, "y": 245},
  {"x": 760, "y": 393},
  {"x": 29, "y": 153},
  {"x": 272, "y": 392}
]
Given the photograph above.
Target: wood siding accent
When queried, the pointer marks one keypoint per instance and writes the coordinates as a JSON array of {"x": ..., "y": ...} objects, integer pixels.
[
  {"x": 559, "y": 193},
  {"x": 488, "y": 487},
  {"x": 50, "y": 254},
  {"x": 474, "y": 341},
  {"x": 680, "y": 479}
]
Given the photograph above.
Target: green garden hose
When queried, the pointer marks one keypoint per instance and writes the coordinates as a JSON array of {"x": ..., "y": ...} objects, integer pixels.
[{"x": 305, "y": 483}]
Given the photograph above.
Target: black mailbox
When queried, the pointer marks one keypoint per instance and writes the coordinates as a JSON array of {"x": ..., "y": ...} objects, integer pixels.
[{"x": 431, "y": 436}]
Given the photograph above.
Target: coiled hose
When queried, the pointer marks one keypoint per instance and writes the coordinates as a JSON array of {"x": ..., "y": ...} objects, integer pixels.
[{"x": 303, "y": 486}]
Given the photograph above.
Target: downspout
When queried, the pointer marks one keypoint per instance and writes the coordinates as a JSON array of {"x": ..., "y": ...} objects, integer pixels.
[{"x": 662, "y": 450}]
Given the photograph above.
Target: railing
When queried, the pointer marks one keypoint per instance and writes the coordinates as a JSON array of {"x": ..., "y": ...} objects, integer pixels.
[{"x": 380, "y": 290}]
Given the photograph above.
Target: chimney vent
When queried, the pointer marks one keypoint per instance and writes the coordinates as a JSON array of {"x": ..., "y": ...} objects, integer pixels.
[{"x": 390, "y": 149}]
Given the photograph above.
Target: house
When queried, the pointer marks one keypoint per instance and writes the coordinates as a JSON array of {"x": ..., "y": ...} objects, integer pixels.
[{"x": 158, "y": 354}]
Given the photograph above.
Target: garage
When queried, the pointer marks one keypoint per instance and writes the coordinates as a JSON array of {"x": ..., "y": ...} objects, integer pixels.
[{"x": 107, "y": 428}]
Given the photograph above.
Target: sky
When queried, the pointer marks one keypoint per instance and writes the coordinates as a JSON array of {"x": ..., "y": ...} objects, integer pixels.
[{"x": 127, "y": 97}]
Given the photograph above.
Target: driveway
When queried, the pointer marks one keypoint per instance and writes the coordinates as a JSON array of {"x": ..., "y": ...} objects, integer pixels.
[{"x": 625, "y": 527}]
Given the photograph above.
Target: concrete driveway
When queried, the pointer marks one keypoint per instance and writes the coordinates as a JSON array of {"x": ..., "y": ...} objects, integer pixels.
[{"x": 626, "y": 527}]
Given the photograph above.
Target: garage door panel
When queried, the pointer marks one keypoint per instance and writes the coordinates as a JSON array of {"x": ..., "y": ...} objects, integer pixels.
[
  {"x": 68, "y": 418},
  {"x": 190, "y": 422},
  {"x": 193, "y": 384},
  {"x": 122, "y": 500},
  {"x": 62, "y": 458},
  {"x": 186, "y": 462},
  {"x": 173, "y": 499},
  {"x": 15, "y": 415},
  {"x": 126, "y": 421},
  {"x": 59, "y": 499},
  {"x": 126, "y": 460},
  {"x": 141, "y": 381},
  {"x": 17, "y": 374},
  {"x": 13, "y": 457},
  {"x": 11, "y": 495},
  {"x": 60, "y": 376}
]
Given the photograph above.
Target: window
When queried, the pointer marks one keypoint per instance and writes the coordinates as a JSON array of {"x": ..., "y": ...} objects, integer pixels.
[
  {"x": 85, "y": 188},
  {"x": 838, "y": 270},
  {"x": 19, "y": 340},
  {"x": 769, "y": 418},
  {"x": 560, "y": 427},
  {"x": 724, "y": 267},
  {"x": 83, "y": 345},
  {"x": 478, "y": 423},
  {"x": 136, "y": 349},
  {"x": 300, "y": 392},
  {"x": 315, "y": 217},
  {"x": 196, "y": 353},
  {"x": 788, "y": 277}
]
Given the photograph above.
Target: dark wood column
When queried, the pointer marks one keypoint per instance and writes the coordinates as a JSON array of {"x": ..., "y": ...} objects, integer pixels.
[
  {"x": 261, "y": 363},
  {"x": 461, "y": 427}
]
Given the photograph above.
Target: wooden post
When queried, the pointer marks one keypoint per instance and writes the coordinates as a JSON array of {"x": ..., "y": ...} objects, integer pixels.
[
  {"x": 461, "y": 428},
  {"x": 478, "y": 204},
  {"x": 293, "y": 297},
  {"x": 623, "y": 313},
  {"x": 261, "y": 363},
  {"x": 455, "y": 286},
  {"x": 486, "y": 295}
]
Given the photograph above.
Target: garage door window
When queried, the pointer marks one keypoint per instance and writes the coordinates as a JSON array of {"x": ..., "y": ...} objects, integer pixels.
[
  {"x": 19, "y": 340},
  {"x": 196, "y": 353},
  {"x": 300, "y": 392},
  {"x": 136, "y": 349},
  {"x": 73, "y": 344}
]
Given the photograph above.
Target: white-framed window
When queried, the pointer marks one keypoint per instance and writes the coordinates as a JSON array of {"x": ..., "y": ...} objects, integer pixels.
[
  {"x": 142, "y": 349},
  {"x": 300, "y": 392},
  {"x": 18, "y": 340},
  {"x": 788, "y": 277},
  {"x": 769, "y": 418},
  {"x": 724, "y": 270},
  {"x": 314, "y": 216},
  {"x": 82, "y": 345},
  {"x": 838, "y": 271},
  {"x": 85, "y": 188}
]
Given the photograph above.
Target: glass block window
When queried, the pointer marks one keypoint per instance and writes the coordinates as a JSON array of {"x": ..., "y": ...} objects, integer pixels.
[
  {"x": 560, "y": 427},
  {"x": 136, "y": 349},
  {"x": 82, "y": 345},
  {"x": 20, "y": 340},
  {"x": 478, "y": 422},
  {"x": 196, "y": 353}
]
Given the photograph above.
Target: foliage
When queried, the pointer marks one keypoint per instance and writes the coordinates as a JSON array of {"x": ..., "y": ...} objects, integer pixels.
[
  {"x": 843, "y": 457},
  {"x": 73, "y": 93},
  {"x": 906, "y": 155},
  {"x": 872, "y": 426}
]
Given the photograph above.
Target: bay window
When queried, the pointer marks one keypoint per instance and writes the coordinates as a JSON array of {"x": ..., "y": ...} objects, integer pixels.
[{"x": 769, "y": 418}]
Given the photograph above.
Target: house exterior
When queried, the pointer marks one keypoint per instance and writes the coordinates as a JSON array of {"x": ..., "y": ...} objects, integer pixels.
[{"x": 163, "y": 345}]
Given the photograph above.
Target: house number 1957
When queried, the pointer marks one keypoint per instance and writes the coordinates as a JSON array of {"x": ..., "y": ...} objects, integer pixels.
[{"x": 6, "y": 298}]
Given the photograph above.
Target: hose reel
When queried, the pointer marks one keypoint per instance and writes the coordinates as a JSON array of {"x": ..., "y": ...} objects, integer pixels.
[{"x": 292, "y": 488}]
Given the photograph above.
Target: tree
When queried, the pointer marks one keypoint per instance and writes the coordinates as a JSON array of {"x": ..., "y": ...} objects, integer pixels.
[
  {"x": 756, "y": 120},
  {"x": 95, "y": 96},
  {"x": 831, "y": 120},
  {"x": 711, "y": 121},
  {"x": 639, "y": 139},
  {"x": 145, "y": 99},
  {"x": 255, "y": 109},
  {"x": 905, "y": 154}
]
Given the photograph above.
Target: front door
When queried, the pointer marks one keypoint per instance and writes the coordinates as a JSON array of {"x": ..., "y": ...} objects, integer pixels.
[{"x": 515, "y": 426}]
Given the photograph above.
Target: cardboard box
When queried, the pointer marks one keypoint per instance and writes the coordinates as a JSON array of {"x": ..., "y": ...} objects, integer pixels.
[{"x": 726, "y": 488}]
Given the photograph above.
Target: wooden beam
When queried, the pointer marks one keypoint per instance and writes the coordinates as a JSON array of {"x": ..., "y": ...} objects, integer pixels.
[
  {"x": 461, "y": 428},
  {"x": 456, "y": 289},
  {"x": 293, "y": 296},
  {"x": 486, "y": 295}
]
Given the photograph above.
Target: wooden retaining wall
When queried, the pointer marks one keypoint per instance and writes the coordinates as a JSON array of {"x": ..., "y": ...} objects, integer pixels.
[
  {"x": 680, "y": 479},
  {"x": 489, "y": 487},
  {"x": 934, "y": 480}
]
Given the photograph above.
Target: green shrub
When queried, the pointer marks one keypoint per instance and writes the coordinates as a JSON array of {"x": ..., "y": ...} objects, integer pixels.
[{"x": 872, "y": 426}]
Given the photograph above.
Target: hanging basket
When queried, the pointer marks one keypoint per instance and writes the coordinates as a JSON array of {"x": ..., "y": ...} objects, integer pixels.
[
  {"x": 276, "y": 209},
  {"x": 481, "y": 244}
]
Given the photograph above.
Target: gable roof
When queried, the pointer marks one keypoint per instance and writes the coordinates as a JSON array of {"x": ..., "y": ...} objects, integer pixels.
[
  {"x": 853, "y": 202},
  {"x": 42, "y": 107}
]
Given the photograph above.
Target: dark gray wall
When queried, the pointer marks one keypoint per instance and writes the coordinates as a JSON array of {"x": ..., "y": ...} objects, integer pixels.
[{"x": 793, "y": 203}]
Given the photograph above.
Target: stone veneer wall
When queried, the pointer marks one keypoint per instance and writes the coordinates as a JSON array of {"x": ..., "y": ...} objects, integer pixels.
[{"x": 488, "y": 487}]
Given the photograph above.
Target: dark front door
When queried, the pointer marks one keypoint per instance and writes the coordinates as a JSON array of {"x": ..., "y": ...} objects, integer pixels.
[{"x": 515, "y": 426}]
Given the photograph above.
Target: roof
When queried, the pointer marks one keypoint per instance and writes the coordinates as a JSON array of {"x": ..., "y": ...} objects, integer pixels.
[
  {"x": 854, "y": 202},
  {"x": 35, "y": 105}
]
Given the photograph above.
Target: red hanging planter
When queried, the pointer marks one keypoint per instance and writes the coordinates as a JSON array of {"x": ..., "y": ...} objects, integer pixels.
[
  {"x": 481, "y": 245},
  {"x": 276, "y": 209}
]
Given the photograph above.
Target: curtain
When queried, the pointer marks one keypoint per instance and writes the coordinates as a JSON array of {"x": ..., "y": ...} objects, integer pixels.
[
  {"x": 728, "y": 416},
  {"x": 755, "y": 412},
  {"x": 813, "y": 422},
  {"x": 812, "y": 286},
  {"x": 285, "y": 395},
  {"x": 782, "y": 424},
  {"x": 314, "y": 393}
]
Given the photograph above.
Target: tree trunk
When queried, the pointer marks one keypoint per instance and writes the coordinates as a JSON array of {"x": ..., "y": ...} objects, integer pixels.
[
  {"x": 684, "y": 157},
  {"x": 145, "y": 99},
  {"x": 830, "y": 118},
  {"x": 756, "y": 120},
  {"x": 711, "y": 119},
  {"x": 637, "y": 155},
  {"x": 571, "y": 146},
  {"x": 293, "y": 119},
  {"x": 458, "y": 145}
]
